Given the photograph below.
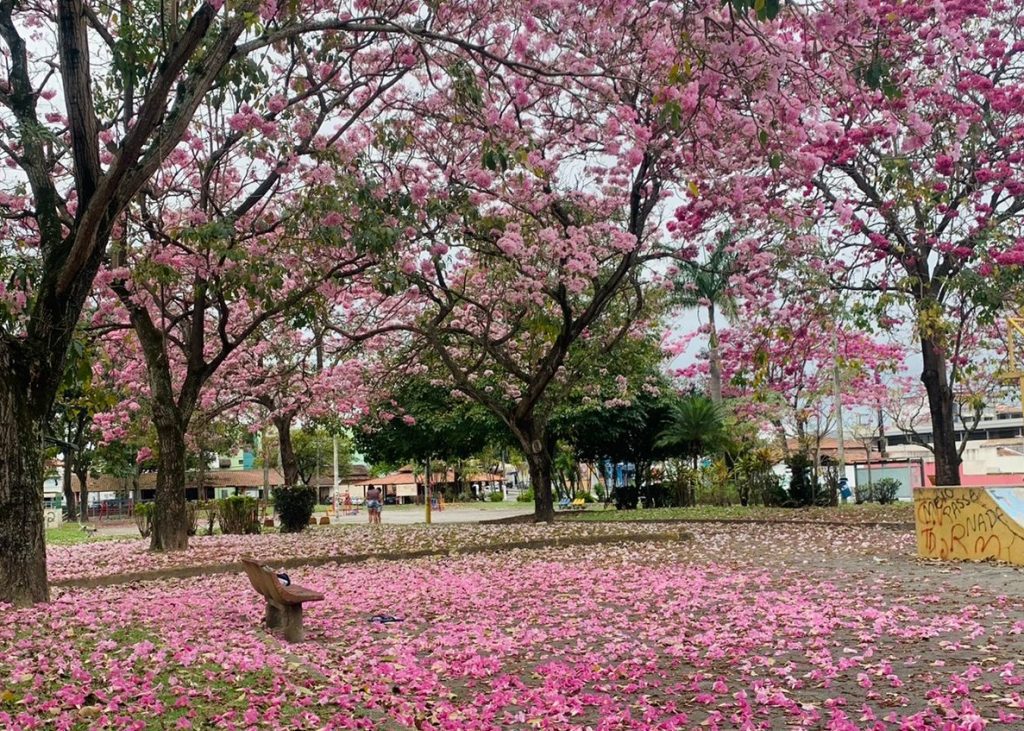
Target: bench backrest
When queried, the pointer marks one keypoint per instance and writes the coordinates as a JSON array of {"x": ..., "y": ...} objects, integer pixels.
[{"x": 263, "y": 580}]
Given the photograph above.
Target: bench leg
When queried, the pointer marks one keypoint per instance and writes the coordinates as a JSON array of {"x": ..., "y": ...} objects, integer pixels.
[
  {"x": 293, "y": 630},
  {"x": 274, "y": 618}
]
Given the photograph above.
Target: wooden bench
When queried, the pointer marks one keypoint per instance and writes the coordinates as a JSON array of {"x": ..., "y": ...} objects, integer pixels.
[
  {"x": 284, "y": 603},
  {"x": 578, "y": 504}
]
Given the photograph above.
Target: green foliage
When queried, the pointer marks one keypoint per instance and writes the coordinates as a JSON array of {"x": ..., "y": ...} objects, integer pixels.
[
  {"x": 700, "y": 283},
  {"x": 314, "y": 450},
  {"x": 884, "y": 490},
  {"x": 618, "y": 434},
  {"x": 526, "y": 496},
  {"x": 294, "y": 506},
  {"x": 754, "y": 478},
  {"x": 801, "y": 484},
  {"x": 211, "y": 508},
  {"x": 464, "y": 83},
  {"x": 496, "y": 496},
  {"x": 763, "y": 9},
  {"x": 681, "y": 484},
  {"x": 696, "y": 428},
  {"x": 445, "y": 427},
  {"x": 875, "y": 73},
  {"x": 626, "y": 496},
  {"x": 715, "y": 487},
  {"x": 238, "y": 515}
]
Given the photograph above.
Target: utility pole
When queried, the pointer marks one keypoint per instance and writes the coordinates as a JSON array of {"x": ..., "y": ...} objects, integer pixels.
[
  {"x": 266, "y": 462},
  {"x": 426, "y": 490},
  {"x": 883, "y": 445},
  {"x": 837, "y": 396},
  {"x": 334, "y": 490}
]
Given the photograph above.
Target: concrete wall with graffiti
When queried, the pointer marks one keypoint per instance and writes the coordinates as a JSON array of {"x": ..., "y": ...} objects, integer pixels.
[{"x": 970, "y": 523}]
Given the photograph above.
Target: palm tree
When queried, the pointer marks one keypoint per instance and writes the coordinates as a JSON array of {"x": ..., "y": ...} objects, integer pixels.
[
  {"x": 707, "y": 285},
  {"x": 696, "y": 427}
]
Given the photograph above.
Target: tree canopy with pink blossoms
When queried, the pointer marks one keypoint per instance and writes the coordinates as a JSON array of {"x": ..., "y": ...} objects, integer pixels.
[
  {"x": 541, "y": 201},
  {"x": 498, "y": 192},
  {"x": 97, "y": 104},
  {"x": 914, "y": 170}
]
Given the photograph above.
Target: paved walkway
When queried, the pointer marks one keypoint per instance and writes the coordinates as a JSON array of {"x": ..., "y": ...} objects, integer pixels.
[
  {"x": 411, "y": 514},
  {"x": 392, "y": 515}
]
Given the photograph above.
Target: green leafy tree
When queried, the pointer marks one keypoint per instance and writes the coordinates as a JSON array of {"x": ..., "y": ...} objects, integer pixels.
[
  {"x": 432, "y": 424},
  {"x": 622, "y": 433},
  {"x": 314, "y": 452}
]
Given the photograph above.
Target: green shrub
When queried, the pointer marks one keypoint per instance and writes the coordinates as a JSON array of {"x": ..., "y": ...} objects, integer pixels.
[
  {"x": 713, "y": 486},
  {"x": 211, "y": 507},
  {"x": 144, "y": 518},
  {"x": 801, "y": 482},
  {"x": 587, "y": 497},
  {"x": 626, "y": 497},
  {"x": 769, "y": 490},
  {"x": 526, "y": 496},
  {"x": 862, "y": 494},
  {"x": 496, "y": 497},
  {"x": 885, "y": 490},
  {"x": 294, "y": 506},
  {"x": 238, "y": 515}
]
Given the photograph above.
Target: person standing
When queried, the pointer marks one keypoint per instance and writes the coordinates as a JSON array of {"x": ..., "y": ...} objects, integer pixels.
[{"x": 374, "y": 503}]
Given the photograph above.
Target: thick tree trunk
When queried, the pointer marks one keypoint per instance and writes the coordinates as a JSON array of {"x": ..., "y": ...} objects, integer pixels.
[
  {"x": 22, "y": 543},
  {"x": 935, "y": 376},
  {"x": 714, "y": 359},
  {"x": 289, "y": 464},
  {"x": 170, "y": 521},
  {"x": 538, "y": 456},
  {"x": 540, "y": 480}
]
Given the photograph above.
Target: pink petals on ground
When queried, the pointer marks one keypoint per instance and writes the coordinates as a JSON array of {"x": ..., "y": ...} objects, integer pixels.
[{"x": 744, "y": 626}]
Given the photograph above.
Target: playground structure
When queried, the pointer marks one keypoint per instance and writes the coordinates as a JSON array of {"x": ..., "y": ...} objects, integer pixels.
[{"x": 970, "y": 523}]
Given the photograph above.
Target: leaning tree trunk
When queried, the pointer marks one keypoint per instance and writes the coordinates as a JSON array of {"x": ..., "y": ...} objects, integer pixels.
[
  {"x": 170, "y": 519},
  {"x": 289, "y": 464},
  {"x": 22, "y": 543},
  {"x": 935, "y": 376}
]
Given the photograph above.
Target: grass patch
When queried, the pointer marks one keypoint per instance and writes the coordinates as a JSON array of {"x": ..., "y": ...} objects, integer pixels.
[
  {"x": 70, "y": 534},
  {"x": 868, "y": 513}
]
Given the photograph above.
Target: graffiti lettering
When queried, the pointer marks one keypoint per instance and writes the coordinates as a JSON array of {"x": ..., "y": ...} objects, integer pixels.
[{"x": 970, "y": 523}]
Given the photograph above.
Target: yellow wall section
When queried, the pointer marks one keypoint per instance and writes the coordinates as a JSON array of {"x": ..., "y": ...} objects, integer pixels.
[{"x": 970, "y": 523}]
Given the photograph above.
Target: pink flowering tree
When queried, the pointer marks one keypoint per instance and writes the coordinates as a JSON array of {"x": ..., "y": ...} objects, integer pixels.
[
  {"x": 913, "y": 170},
  {"x": 300, "y": 374},
  {"x": 779, "y": 365},
  {"x": 217, "y": 285},
  {"x": 542, "y": 202},
  {"x": 94, "y": 101}
]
